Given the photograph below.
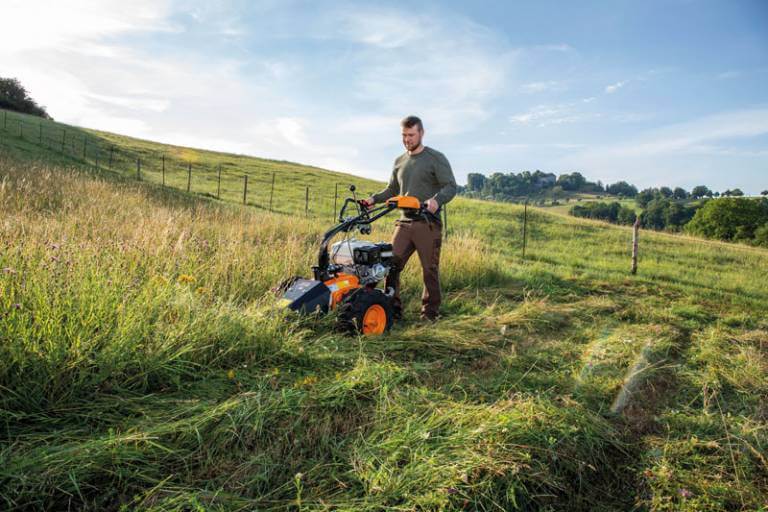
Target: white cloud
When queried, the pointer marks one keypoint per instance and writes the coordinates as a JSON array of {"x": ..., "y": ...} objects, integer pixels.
[
  {"x": 681, "y": 153},
  {"x": 545, "y": 86},
  {"x": 547, "y": 115},
  {"x": 448, "y": 70},
  {"x": 610, "y": 89}
]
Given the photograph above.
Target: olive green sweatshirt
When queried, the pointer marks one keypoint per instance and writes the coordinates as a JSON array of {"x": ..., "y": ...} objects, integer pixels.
[{"x": 424, "y": 175}]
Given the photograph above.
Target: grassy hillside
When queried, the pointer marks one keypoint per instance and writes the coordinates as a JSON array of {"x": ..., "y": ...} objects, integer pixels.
[
  {"x": 142, "y": 365},
  {"x": 28, "y": 136}
]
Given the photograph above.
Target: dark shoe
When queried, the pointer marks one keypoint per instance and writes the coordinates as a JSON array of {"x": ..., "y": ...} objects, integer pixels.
[{"x": 424, "y": 317}]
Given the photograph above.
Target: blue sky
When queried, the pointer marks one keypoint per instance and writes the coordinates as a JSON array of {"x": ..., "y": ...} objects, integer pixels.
[{"x": 656, "y": 93}]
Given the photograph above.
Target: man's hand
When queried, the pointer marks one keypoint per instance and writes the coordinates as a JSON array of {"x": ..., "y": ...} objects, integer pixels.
[
  {"x": 368, "y": 203},
  {"x": 432, "y": 205}
]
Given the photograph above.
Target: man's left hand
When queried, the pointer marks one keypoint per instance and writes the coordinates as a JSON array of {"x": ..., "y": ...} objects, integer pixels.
[{"x": 432, "y": 205}]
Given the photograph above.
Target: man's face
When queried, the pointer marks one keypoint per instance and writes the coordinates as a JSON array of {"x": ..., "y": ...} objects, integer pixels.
[{"x": 412, "y": 137}]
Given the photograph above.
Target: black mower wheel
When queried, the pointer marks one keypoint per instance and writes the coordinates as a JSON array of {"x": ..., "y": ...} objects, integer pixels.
[{"x": 366, "y": 311}]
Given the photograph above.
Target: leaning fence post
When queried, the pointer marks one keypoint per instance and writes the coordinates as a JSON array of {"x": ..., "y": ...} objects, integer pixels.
[
  {"x": 306, "y": 202},
  {"x": 163, "y": 168},
  {"x": 635, "y": 238},
  {"x": 189, "y": 176},
  {"x": 64, "y": 140},
  {"x": 218, "y": 188},
  {"x": 335, "y": 199},
  {"x": 245, "y": 188},
  {"x": 271, "y": 192},
  {"x": 525, "y": 226},
  {"x": 138, "y": 168}
]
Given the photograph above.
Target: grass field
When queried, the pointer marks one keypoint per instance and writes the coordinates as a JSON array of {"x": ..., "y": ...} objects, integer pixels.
[
  {"x": 143, "y": 367},
  {"x": 26, "y": 136}
]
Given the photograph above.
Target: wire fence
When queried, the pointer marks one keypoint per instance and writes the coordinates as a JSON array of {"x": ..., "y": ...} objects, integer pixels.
[{"x": 268, "y": 190}]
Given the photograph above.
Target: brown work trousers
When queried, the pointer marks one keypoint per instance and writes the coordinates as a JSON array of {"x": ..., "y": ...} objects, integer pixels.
[{"x": 425, "y": 238}]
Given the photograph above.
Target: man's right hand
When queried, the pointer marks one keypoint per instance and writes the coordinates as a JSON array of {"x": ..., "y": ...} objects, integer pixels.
[{"x": 368, "y": 203}]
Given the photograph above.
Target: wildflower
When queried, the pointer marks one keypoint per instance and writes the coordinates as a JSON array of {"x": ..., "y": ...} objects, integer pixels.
[
  {"x": 186, "y": 278},
  {"x": 231, "y": 374},
  {"x": 160, "y": 280},
  {"x": 309, "y": 380},
  {"x": 451, "y": 490},
  {"x": 201, "y": 290},
  {"x": 275, "y": 372},
  {"x": 685, "y": 493}
]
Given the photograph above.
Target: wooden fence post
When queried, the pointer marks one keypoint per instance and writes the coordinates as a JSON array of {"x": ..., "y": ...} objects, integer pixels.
[
  {"x": 245, "y": 188},
  {"x": 40, "y": 133},
  {"x": 271, "y": 192},
  {"x": 85, "y": 145},
  {"x": 189, "y": 176},
  {"x": 335, "y": 199},
  {"x": 21, "y": 128},
  {"x": 64, "y": 140},
  {"x": 5, "y": 119},
  {"x": 525, "y": 226},
  {"x": 635, "y": 239},
  {"x": 306, "y": 202},
  {"x": 111, "y": 152},
  {"x": 163, "y": 171},
  {"x": 218, "y": 188},
  {"x": 138, "y": 168}
]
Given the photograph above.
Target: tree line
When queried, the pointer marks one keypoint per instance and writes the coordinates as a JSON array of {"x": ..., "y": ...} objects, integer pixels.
[
  {"x": 13, "y": 96},
  {"x": 501, "y": 186},
  {"x": 731, "y": 219}
]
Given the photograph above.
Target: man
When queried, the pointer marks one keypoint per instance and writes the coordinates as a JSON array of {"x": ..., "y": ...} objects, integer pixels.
[{"x": 426, "y": 174}]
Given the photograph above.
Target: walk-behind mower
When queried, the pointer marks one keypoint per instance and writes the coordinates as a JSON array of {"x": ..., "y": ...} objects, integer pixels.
[{"x": 345, "y": 279}]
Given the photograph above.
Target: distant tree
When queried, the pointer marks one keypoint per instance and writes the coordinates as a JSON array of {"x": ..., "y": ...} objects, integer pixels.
[
  {"x": 645, "y": 196},
  {"x": 666, "y": 192},
  {"x": 654, "y": 215},
  {"x": 764, "y": 193},
  {"x": 734, "y": 218},
  {"x": 717, "y": 194},
  {"x": 680, "y": 193},
  {"x": 13, "y": 96},
  {"x": 761, "y": 235},
  {"x": 475, "y": 181},
  {"x": 663, "y": 213},
  {"x": 700, "y": 191},
  {"x": 737, "y": 192},
  {"x": 621, "y": 188},
  {"x": 626, "y": 216},
  {"x": 572, "y": 182}
]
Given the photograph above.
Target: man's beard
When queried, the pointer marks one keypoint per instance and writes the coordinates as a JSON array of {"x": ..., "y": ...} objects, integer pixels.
[{"x": 411, "y": 147}]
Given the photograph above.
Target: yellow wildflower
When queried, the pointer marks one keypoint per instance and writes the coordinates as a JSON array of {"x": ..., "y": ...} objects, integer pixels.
[{"x": 186, "y": 278}]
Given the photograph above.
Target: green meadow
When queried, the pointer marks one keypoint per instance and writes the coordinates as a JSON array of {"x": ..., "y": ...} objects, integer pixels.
[{"x": 144, "y": 366}]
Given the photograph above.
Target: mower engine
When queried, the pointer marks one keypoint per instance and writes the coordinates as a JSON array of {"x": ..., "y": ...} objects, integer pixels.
[{"x": 369, "y": 261}]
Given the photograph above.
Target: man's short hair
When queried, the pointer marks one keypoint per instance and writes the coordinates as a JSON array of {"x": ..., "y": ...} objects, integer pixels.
[{"x": 411, "y": 121}]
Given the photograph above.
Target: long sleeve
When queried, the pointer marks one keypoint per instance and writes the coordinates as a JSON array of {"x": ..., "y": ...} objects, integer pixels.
[
  {"x": 445, "y": 180},
  {"x": 391, "y": 190}
]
